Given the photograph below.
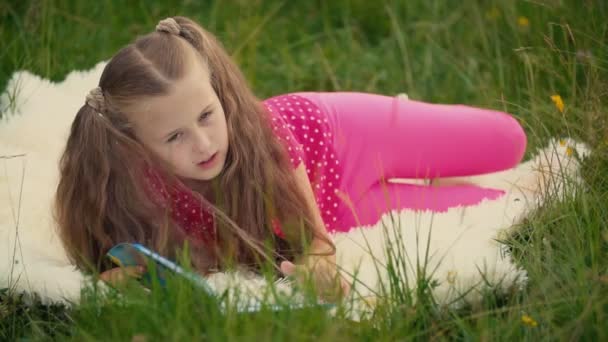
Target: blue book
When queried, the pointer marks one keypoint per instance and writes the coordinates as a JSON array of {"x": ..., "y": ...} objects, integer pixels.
[{"x": 134, "y": 254}]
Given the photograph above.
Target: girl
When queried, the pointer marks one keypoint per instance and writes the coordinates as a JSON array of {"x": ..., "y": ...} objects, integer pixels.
[{"x": 172, "y": 147}]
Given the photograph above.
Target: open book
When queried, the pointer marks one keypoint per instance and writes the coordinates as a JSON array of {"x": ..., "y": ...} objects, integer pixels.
[{"x": 134, "y": 254}]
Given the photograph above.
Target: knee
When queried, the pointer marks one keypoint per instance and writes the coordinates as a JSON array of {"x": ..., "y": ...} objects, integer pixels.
[{"x": 516, "y": 137}]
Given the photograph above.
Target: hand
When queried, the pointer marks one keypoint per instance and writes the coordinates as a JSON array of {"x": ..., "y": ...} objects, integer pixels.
[
  {"x": 323, "y": 273},
  {"x": 119, "y": 275}
]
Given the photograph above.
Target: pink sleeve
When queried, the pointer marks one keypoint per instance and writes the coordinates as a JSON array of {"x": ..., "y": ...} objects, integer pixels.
[{"x": 287, "y": 138}]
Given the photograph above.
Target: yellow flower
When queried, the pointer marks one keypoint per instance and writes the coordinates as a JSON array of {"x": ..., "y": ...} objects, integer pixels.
[
  {"x": 569, "y": 151},
  {"x": 451, "y": 277},
  {"x": 529, "y": 321},
  {"x": 523, "y": 21},
  {"x": 559, "y": 103},
  {"x": 562, "y": 142}
]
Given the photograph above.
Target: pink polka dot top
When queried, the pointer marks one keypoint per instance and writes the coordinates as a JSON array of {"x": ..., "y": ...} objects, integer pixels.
[
  {"x": 184, "y": 208},
  {"x": 304, "y": 130}
]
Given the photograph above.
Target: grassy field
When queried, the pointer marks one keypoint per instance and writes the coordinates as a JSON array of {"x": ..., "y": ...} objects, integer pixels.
[{"x": 509, "y": 55}]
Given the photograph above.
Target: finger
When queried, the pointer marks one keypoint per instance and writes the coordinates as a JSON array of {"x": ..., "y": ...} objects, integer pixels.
[
  {"x": 135, "y": 271},
  {"x": 113, "y": 276},
  {"x": 131, "y": 271},
  {"x": 118, "y": 274},
  {"x": 345, "y": 287},
  {"x": 105, "y": 276},
  {"x": 288, "y": 268}
]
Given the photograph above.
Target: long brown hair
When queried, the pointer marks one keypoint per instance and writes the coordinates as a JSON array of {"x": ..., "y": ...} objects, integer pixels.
[{"x": 100, "y": 199}]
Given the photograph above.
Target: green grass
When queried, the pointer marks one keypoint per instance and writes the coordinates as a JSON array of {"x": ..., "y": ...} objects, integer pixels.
[{"x": 474, "y": 52}]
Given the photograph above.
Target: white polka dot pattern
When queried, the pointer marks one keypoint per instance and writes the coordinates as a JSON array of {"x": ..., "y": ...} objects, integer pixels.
[
  {"x": 283, "y": 132},
  {"x": 185, "y": 209},
  {"x": 306, "y": 134},
  {"x": 305, "y": 131}
]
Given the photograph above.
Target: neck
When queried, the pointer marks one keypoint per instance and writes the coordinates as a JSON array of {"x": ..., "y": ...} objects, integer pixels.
[{"x": 204, "y": 188}]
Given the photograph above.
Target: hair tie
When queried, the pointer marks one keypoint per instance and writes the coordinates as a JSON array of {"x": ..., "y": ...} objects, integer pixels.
[
  {"x": 96, "y": 100},
  {"x": 168, "y": 25}
]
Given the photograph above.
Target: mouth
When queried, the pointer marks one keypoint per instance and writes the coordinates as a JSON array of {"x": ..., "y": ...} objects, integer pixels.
[{"x": 209, "y": 162}]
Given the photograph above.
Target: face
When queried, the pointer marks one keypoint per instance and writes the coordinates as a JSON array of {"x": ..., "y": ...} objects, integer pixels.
[{"x": 187, "y": 127}]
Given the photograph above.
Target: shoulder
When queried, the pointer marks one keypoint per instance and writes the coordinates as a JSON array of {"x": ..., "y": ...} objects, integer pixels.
[
  {"x": 294, "y": 107},
  {"x": 282, "y": 100}
]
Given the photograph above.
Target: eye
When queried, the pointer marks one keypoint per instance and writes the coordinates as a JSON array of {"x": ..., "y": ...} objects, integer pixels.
[
  {"x": 174, "y": 137},
  {"x": 204, "y": 116}
]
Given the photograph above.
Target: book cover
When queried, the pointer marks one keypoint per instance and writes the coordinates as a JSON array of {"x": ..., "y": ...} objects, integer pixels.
[{"x": 134, "y": 254}]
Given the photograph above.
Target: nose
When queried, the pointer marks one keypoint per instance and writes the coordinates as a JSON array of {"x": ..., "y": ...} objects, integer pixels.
[{"x": 202, "y": 142}]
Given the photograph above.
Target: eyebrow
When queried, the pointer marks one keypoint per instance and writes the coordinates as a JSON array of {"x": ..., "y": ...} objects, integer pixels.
[{"x": 205, "y": 110}]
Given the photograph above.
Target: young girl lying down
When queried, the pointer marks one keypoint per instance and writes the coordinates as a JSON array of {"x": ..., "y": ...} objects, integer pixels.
[{"x": 173, "y": 147}]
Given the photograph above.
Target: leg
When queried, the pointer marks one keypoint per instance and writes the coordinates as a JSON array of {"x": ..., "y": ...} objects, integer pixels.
[
  {"x": 382, "y": 198},
  {"x": 379, "y": 137}
]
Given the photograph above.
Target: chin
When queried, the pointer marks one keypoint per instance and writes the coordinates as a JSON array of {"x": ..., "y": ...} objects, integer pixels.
[{"x": 207, "y": 176}]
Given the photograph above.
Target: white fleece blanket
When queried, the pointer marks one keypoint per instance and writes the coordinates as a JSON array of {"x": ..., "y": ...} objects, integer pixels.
[{"x": 459, "y": 246}]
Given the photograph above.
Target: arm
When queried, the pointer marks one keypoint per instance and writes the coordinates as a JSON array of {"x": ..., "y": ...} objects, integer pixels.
[
  {"x": 322, "y": 265},
  {"x": 317, "y": 245}
]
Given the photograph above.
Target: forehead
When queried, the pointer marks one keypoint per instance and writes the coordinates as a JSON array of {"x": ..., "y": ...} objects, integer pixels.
[{"x": 185, "y": 99}]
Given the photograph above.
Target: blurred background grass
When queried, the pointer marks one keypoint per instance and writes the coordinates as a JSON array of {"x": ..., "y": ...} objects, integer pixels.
[{"x": 509, "y": 55}]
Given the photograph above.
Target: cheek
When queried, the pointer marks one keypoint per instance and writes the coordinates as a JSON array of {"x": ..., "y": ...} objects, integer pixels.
[
  {"x": 178, "y": 155},
  {"x": 225, "y": 134},
  {"x": 172, "y": 155}
]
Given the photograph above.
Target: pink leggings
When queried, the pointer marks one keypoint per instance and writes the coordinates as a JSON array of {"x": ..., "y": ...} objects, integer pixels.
[{"x": 380, "y": 137}]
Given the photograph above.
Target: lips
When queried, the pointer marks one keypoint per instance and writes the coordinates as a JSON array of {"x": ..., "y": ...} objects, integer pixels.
[
  {"x": 209, "y": 161},
  {"x": 204, "y": 161}
]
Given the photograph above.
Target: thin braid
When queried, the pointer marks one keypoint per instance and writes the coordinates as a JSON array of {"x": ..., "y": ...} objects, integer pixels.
[
  {"x": 96, "y": 100},
  {"x": 169, "y": 25}
]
